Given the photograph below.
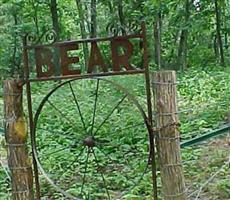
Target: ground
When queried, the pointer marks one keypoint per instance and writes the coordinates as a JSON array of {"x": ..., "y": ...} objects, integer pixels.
[{"x": 199, "y": 166}]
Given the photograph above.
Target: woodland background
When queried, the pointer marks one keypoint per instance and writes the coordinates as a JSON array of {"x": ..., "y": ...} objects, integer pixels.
[
  {"x": 189, "y": 36},
  {"x": 181, "y": 33}
]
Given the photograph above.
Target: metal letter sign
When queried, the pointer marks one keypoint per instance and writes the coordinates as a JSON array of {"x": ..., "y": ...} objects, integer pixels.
[
  {"x": 116, "y": 55},
  {"x": 117, "y": 62}
]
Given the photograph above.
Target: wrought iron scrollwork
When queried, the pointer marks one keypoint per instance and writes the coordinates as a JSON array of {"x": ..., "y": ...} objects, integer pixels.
[
  {"x": 134, "y": 27},
  {"x": 115, "y": 29},
  {"x": 51, "y": 36},
  {"x": 47, "y": 37}
]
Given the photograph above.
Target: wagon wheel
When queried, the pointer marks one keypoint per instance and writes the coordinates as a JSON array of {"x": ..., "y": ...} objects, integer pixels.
[{"x": 91, "y": 140}]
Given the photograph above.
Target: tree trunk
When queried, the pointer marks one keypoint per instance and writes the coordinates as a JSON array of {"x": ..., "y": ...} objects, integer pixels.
[
  {"x": 55, "y": 20},
  {"x": 218, "y": 32},
  {"x": 15, "y": 67},
  {"x": 183, "y": 45},
  {"x": 215, "y": 47},
  {"x": 157, "y": 38},
  {"x": 121, "y": 17},
  {"x": 110, "y": 6},
  {"x": 83, "y": 31},
  {"x": 93, "y": 18},
  {"x": 16, "y": 138},
  {"x": 35, "y": 15},
  {"x": 56, "y": 27},
  {"x": 167, "y": 136}
]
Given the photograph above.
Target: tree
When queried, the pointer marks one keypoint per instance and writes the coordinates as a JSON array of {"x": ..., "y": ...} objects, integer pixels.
[
  {"x": 121, "y": 16},
  {"x": 183, "y": 44},
  {"x": 220, "y": 48},
  {"x": 157, "y": 35},
  {"x": 83, "y": 29},
  {"x": 55, "y": 19},
  {"x": 93, "y": 11}
]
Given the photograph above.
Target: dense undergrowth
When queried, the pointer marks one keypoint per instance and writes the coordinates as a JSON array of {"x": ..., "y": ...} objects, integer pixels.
[{"x": 204, "y": 104}]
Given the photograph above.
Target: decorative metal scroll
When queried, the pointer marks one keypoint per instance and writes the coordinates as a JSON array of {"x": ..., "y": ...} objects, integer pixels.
[
  {"x": 115, "y": 28},
  {"x": 48, "y": 37}
]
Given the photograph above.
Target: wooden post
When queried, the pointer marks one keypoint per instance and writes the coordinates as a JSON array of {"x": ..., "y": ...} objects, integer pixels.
[
  {"x": 167, "y": 136},
  {"x": 16, "y": 138}
]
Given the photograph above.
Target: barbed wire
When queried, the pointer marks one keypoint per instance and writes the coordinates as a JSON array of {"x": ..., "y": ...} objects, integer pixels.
[
  {"x": 181, "y": 82},
  {"x": 190, "y": 110},
  {"x": 198, "y": 192}
]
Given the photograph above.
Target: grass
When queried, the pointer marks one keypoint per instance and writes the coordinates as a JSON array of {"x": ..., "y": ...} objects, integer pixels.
[{"x": 122, "y": 157}]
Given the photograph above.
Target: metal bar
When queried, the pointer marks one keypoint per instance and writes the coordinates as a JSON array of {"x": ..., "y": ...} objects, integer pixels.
[
  {"x": 103, "y": 178},
  {"x": 84, "y": 76},
  {"x": 31, "y": 121},
  {"x": 105, "y": 154},
  {"x": 108, "y": 116},
  {"x": 73, "y": 42},
  {"x": 206, "y": 136},
  {"x": 150, "y": 114},
  {"x": 95, "y": 107},
  {"x": 85, "y": 171},
  {"x": 78, "y": 107},
  {"x": 77, "y": 157},
  {"x": 56, "y": 151},
  {"x": 61, "y": 113}
]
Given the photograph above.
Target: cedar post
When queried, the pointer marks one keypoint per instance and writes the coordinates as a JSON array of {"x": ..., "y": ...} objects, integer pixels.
[
  {"x": 16, "y": 138},
  {"x": 167, "y": 136}
]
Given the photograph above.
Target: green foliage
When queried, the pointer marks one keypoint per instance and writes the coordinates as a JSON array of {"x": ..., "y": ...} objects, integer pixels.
[
  {"x": 203, "y": 90},
  {"x": 224, "y": 188},
  {"x": 198, "y": 90},
  {"x": 20, "y": 17}
]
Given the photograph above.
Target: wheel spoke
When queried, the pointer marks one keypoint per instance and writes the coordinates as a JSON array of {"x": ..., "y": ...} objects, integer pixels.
[
  {"x": 78, "y": 106},
  {"x": 108, "y": 116},
  {"x": 85, "y": 170},
  {"x": 62, "y": 134},
  {"x": 103, "y": 178},
  {"x": 95, "y": 107},
  {"x": 104, "y": 141},
  {"x": 135, "y": 183},
  {"x": 60, "y": 112},
  {"x": 77, "y": 157},
  {"x": 102, "y": 151},
  {"x": 56, "y": 151},
  {"x": 128, "y": 127}
]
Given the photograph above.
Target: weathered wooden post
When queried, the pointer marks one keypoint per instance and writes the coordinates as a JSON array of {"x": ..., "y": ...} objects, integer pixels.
[
  {"x": 16, "y": 138},
  {"x": 167, "y": 136}
]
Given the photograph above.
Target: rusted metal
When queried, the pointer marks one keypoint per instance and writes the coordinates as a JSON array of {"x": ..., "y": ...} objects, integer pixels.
[
  {"x": 74, "y": 42},
  {"x": 47, "y": 37},
  {"x": 30, "y": 110},
  {"x": 152, "y": 158},
  {"x": 121, "y": 60},
  {"x": 86, "y": 76},
  {"x": 122, "y": 50},
  {"x": 43, "y": 57},
  {"x": 96, "y": 59},
  {"x": 89, "y": 141},
  {"x": 66, "y": 61}
]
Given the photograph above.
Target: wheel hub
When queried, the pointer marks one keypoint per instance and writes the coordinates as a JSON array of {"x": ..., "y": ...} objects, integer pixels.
[{"x": 89, "y": 142}]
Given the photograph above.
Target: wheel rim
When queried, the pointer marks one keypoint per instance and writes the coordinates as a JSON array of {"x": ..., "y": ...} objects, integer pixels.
[{"x": 93, "y": 154}]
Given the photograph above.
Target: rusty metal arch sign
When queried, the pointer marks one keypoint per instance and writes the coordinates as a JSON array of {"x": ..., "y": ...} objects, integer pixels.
[
  {"x": 45, "y": 57},
  {"x": 59, "y": 60}
]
